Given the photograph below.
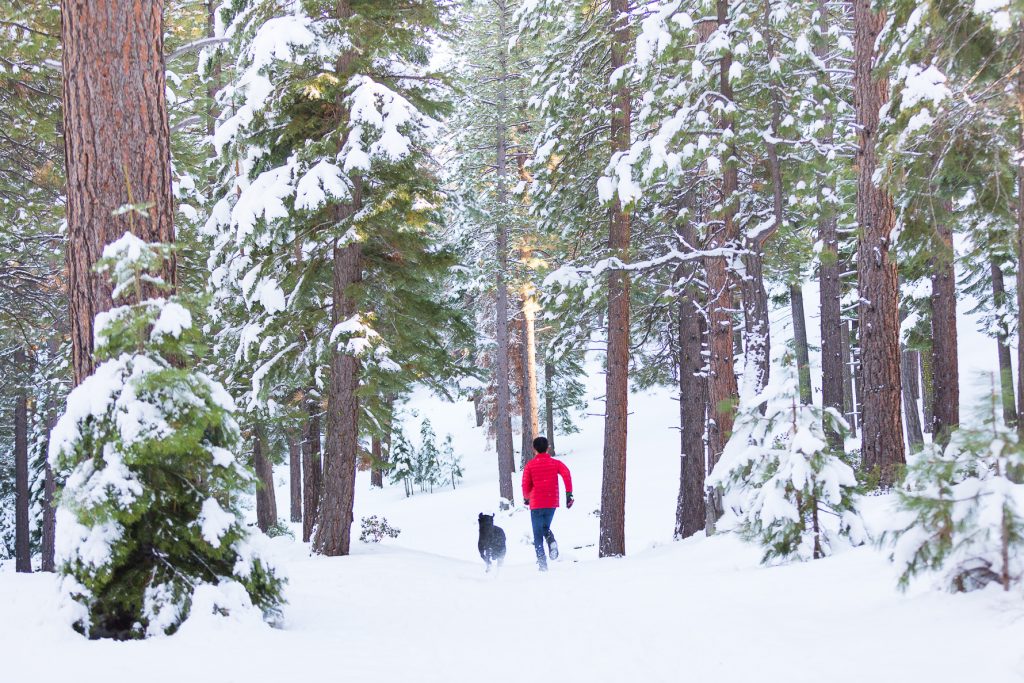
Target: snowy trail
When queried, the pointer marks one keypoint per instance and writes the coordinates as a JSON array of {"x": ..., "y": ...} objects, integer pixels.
[
  {"x": 421, "y": 608},
  {"x": 688, "y": 611}
]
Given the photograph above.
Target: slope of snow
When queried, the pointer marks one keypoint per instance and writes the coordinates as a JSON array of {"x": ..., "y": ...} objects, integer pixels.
[{"x": 421, "y": 608}]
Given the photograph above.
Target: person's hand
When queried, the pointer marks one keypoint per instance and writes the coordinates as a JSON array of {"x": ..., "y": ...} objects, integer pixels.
[
  {"x": 568, "y": 500},
  {"x": 526, "y": 501}
]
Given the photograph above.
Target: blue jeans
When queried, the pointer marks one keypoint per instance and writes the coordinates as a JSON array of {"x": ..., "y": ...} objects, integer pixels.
[{"x": 541, "y": 519}]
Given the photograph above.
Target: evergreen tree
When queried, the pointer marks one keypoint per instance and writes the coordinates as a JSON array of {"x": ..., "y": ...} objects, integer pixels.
[
  {"x": 783, "y": 487},
  {"x": 150, "y": 511},
  {"x": 964, "y": 509}
]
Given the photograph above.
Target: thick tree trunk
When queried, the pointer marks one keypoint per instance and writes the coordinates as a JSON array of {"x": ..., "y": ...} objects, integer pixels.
[
  {"x": 503, "y": 426},
  {"x": 116, "y": 143},
  {"x": 803, "y": 357},
  {"x": 266, "y": 500},
  {"x": 295, "y": 476},
  {"x": 850, "y": 408},
  {"x": 1002, "y": 341},
  {"x": 882, "y": 431},
  {"x": 333, "y": 534},
  {"x": 690, "y": 507},
  {"x": 945, "y": 361},
  {"x": 915, "y": 437},
  {"x": 334, "y": 531},
  {"x": 612, "y": 539},
  {"x": 549, "y": 404},
  {"x": 530, "y": 417},
  {"x": 312, "y": 471},
  {"x": 22, "y": 549},
  {"x": 722, "y": 390}
]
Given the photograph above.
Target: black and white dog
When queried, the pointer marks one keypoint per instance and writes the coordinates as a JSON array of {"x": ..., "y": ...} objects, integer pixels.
[{"x": 492, "y": 541}]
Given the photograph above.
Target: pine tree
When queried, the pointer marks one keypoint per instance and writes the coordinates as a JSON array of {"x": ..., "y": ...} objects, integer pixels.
[
  {"x": 150, "y": 511},
  {"x": 783, "y": 487},
  {"x": 964, "y": 509}
]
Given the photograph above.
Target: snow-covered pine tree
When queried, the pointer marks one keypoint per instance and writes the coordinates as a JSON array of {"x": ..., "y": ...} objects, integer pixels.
[
  {"x": 782, "y": 486},
  {"x": 964, "y": 509},
  {"x": 403, "y": 463},
  {"x": 149, "y": 516},
  {"x": 327, "y": 265},
  {"x": 451, "y": 464}
]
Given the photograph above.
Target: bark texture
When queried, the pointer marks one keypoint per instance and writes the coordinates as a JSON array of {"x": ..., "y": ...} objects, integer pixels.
[
  {"x": 945, "y": 361},
  {"x": 549, "y": 404},
  {"x": 690, "y": 508},
  {"x": 22, "y": 549},
  {"x": 1003, "y": 343},
  {"x": 722, "y": 390},
  {"x": 116, "y": 144},
  {"x": 295, "y": 477},
  {"x": 266, "y": 500},
  {"x": 334, "y": 531},
  {"x": 834, "y": 377},
  {"x": 376, "y": 470},
  {"x": 803, "y": 360},
  {"x": 530, "y": 401},
  {"x": 312, "y": 472},
  {"x": 915, "y": 436},
  {"x": 882, "y": 430},
  {"x": 849, "y": 396},
  {"x": 503, "y": 427},
  {"x": 612, "y": 538}
]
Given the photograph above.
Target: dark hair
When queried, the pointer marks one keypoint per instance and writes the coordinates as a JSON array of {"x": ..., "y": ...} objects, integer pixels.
[{"x": 540, "y": 444}]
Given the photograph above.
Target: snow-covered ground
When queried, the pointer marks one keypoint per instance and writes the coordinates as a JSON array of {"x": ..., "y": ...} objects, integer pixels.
[{"x": 421, "y": 608}]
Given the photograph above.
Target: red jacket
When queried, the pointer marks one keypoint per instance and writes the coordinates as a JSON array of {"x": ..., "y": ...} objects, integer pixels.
[{"x": 540, "y": 481}]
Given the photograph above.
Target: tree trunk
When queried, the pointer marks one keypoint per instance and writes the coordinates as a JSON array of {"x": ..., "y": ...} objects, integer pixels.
[
  {"x": 549, "y": 404},
  {"x": 295, "y": 476},
  {"x": 803, "y": 359},
  {"x": 835, "y": 371},
  {"x": 945, "y": 361},
  {"x": 334, "y": 532},
  {"x": 850, "y": 407},
  {"x": 882, "y": 431},
  {"x": 722, "y": 390},
  {"x": 612, "y": 539},
  {"x": 690, "y": 508},
  {"x": 915, "y": 437},
  {"x": 757, "y": 341},
  {"x": 478, "y": 408},
  {"x": 503, "y": 426},
  {"x": 377, "y": 470},
  {"x": 927, "y": 392},
  {"x": 49, "y": 530},
  {"x": 116, "y": 144},
  {"x": 1019, "y": 243},
  {"x": 22, "y": 549},
  {"x": 266, "y": 501},
  {"x": 1002, "y": 341},
  {"x": 531, "y": 421},
  {"x": 312, "y": 471}
]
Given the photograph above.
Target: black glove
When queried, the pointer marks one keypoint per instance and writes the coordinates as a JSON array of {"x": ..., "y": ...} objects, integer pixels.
[
  {"x": 526, "y": 501},
  {"x": 568, "y": 500}
]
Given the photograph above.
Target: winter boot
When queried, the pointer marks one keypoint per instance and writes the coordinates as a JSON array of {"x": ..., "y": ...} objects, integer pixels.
[{"x": 552, "y": 545}]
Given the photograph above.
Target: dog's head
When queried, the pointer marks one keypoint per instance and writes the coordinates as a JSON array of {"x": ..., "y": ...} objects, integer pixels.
[{"x": 485, "y": 520}]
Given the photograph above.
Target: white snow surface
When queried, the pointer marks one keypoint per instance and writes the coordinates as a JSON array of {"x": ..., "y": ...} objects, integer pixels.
[{"x": 421, "y": 608}]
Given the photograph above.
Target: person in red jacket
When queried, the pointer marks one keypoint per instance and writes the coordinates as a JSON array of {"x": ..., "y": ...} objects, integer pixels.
[{"x": 540, "y": 492}]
